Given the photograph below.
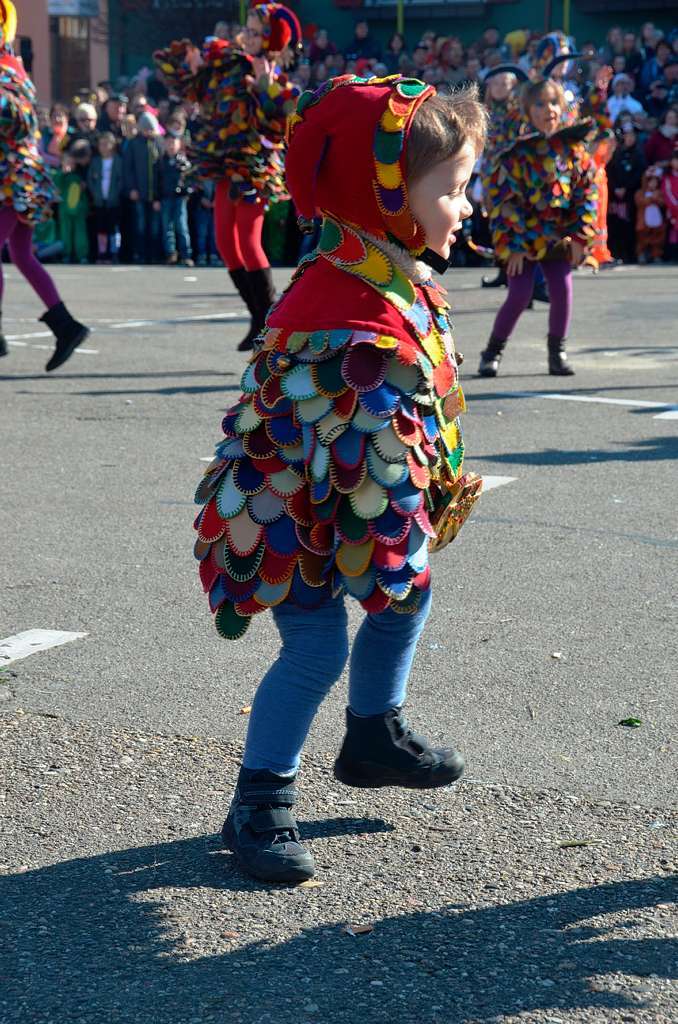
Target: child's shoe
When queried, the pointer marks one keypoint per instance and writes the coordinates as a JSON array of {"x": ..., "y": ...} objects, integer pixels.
[
  {"x": 172, "y": 259},
  {"x": 491, "y": 357},
  {"x": 558, "y": 364},
  {"x": 4, "y": 347},
  {"x": 261, "y": 830},
  {"x": 68, "y": 331},
  {"x": 201, "y": 261},
  {"x": 382, "y": 750}
]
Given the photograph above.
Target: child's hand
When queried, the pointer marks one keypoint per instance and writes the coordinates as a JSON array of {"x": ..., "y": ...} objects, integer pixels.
[
  {"x": 516, "y": 262},
  {"x": 134, "y": 195},
  {"x": 194, "y": 59},
  {"x": 157, "y": 206}
]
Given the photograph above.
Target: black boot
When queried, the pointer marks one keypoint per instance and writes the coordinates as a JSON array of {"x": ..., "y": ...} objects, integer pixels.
[
  {"x": 69, "y": 333},
  {"x": 261, "y": 831},
  {"x": 491, "y": 357},
  {"x": 240, "y": 279},
  {"x": 4, "y": 347},
  {"x": 500, "y": 281},
  {"x": 382, "y": 750},
  {"x": 263, "y": 296},
  {"x": 558, "y": 364}
]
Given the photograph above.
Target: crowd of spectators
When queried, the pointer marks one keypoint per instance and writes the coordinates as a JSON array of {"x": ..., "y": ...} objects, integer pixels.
[{"x": 128, "y": 191}]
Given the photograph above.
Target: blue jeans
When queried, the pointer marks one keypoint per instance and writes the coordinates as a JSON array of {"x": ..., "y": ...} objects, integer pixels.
[
  {"x": 175, "y": 226},
  {"x": 146, "y": 230},
  {"x": 313, "y": 655},
  {"x": 204, "y": 231}
]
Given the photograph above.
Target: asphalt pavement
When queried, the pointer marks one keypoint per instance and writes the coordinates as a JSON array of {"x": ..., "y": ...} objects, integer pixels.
[{"x": 554, "y": 620}]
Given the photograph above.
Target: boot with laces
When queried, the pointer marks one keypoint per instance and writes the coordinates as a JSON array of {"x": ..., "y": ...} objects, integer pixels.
[
  {"x": 261, "y": 830},
  {"x": 381, "y": 750}
]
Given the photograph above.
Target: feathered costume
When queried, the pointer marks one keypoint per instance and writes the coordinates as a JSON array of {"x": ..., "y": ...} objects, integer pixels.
[
  {"x": 239, "y": 143},
  {"x": 241, "y": 132},
  {"x": 25, "y": 184},
  {"x": 341, "y": 465},
  {"x": 26, "y": 193}
]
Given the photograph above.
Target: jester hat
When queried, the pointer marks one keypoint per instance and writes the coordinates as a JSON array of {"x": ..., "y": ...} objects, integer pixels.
[
  {"x": 8, "y": 25},
  {"x": 280, "y": 27},
  {"x": 347, "y": 154}
]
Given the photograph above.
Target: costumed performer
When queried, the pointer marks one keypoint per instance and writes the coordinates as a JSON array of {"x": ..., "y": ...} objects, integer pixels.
[
  {"x": 27, "y": 192},
  {"x": 542, "y": 200},
  {"x": 245, "y": 100},
  {"x": 341, "y": 465}
]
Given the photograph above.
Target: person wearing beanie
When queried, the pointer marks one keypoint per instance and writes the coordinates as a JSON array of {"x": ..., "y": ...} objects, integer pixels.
[
  {"x": 141, "y": 176},
  {"x": 341, "y": 466},
  {"x": 245, "y": 101},
  {"x": 27, "y": 193}
]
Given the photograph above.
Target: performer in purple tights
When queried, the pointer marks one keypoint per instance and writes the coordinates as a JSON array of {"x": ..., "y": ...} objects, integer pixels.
[{"x": 27, "y": 193}]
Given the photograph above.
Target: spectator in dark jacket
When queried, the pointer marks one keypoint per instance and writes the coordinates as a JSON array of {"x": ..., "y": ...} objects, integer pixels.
[
  {"x": 174, "y": 190},
  {"x": 624, "y": 175},
  {"x": 660, "y": 146},
  {"x": 105, "y": 183},
  {"x": 141, "y": 173},
  {"x": 362, "y": 45},
  {"x": 110, "y": 118}
]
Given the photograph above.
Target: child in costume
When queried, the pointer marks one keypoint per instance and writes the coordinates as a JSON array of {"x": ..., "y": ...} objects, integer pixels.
[
  {"x": 542, "y": 209},
  {"x": 670, "y": 192},
  {"x": 245, "y": 101},
  {"x": 27, "y": 192},
  {"x": 73, "y": 211},
  {"x": 650, "y": 223},
  {"x": 341, "y": 465}
]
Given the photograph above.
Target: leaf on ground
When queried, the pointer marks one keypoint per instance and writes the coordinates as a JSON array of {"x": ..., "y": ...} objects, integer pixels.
[
  {"x": 310, "y": 883},
  {"x": 246, "y": 710},
  {"x": 358, "y": 929},
  {"x": 631, "y": 723},
  {"x": 230, "y": 935},
  {"x": 567, "y": 844},
  {"x": 557, "y": 655}
]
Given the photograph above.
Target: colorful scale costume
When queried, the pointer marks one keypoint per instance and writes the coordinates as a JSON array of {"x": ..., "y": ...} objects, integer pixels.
[
  {"x": 542, "y": 190},
  {"x": 341, "y": 465},
  {"x": 25, "y": 185},
  {"x": 242, "y": 121}
]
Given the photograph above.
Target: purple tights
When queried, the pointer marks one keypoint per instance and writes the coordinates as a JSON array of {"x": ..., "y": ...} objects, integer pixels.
[
  {"x": 558, "y": 274},
  {"x": 19, "y": 237}
]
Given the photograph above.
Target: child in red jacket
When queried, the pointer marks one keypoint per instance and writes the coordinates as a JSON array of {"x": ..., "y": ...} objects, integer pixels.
[{"x": 341, "y": 465}]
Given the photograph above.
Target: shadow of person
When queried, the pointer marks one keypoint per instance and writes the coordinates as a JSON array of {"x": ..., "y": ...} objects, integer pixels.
[
  {"x": 97, "y": 939},
  {"x": 650, "y": 449}
]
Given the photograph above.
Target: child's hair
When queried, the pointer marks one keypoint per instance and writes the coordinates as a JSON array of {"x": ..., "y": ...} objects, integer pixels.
[
  {"x": 441, "y": 126},
  {"x": 532, "y": 91}
]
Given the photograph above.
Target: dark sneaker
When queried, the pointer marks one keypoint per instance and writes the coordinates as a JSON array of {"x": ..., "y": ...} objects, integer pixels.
[
  {"x": 382, "y": 750},
  {"x": 261, "y": 830}
]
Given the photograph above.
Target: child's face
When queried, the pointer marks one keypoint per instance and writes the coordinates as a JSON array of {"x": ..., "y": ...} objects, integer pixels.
[
  {"x": 652, "y": 184},
  {"x": 499, "y": 86},
  {"x": 105, "y": 148},
  {"x": 546, "y": 112},
  {"x": 438, "y": 200},
  {"x": 172, "y": 145}
]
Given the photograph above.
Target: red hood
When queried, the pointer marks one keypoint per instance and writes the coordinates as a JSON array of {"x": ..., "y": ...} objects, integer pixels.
[{"x": 347, "y": 154}]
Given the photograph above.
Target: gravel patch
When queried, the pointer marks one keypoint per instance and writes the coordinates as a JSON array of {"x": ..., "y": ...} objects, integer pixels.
[{"x": 462, "y": 906}]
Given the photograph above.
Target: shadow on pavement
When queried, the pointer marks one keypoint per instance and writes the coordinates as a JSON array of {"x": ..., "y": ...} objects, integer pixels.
[
  {"x": 120, "y": 376},
  {"x": 651, "y": 449},
  {"x": 493, "y": 396},
  {"x": 99, "y": 939}
]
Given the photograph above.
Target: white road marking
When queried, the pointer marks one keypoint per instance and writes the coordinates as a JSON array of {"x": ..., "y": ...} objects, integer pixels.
[
  {"x": 630, "y": 402},
  {"x": 22, "y": 645},
  {"x": 669, "y": 413},
  {"x": 13, "y": 340},
  {"x": 196, "y": 317},
  {"x": 490, "y": 482}
]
